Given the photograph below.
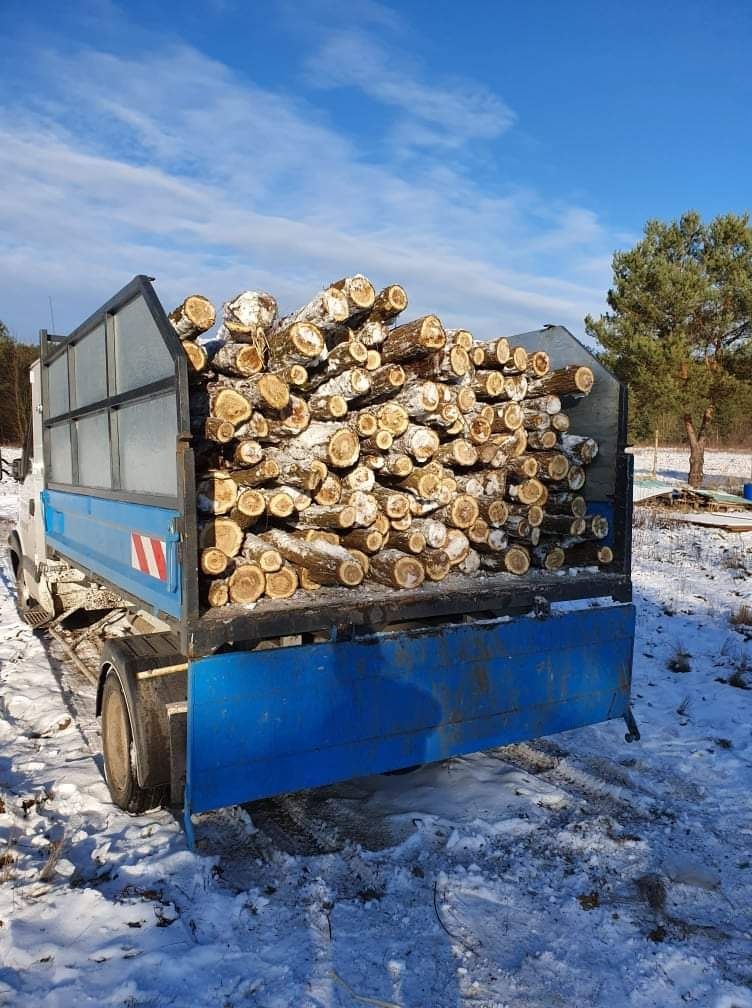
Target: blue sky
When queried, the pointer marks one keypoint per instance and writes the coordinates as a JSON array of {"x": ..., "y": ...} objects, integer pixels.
[{"x": 490, "y": 156}]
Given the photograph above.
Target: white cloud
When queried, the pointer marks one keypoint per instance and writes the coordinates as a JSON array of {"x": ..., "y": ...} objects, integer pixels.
[
  {"x": 442, "y": 112},
  {"x": 171, "y": 164}
]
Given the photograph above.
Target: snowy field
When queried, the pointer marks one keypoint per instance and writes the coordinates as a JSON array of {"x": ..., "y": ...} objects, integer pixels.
[
  {"x": 572, "y": 871},
  {"x": 673, "y": 463}
]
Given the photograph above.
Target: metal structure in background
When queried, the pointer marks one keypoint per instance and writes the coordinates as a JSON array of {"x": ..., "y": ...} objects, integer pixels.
[{"x": 368, "y": 689}]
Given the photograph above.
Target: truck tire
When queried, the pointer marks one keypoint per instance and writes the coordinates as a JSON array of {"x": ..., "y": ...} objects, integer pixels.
[{"x": 118, "y": 749}]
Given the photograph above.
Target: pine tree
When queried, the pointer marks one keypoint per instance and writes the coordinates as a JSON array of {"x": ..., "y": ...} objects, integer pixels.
[
  {"x": 680, "y": 326},
  {"x": 15, "y": 393}
]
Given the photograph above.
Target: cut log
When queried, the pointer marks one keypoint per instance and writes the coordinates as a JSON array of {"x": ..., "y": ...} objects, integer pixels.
[
  {"x": 495, "y": 542},
  {"x": 588, "y": 553},
  {"x": 198, "y": 358},
  {"x": 550, "y": 404},
  {"x": 541, "y": 440},
  {"x": 296, "y": 342},
  {"x": 411, "y": 541},
  {"x": 565, "y": 525},
  {"x": 224, "y": 533},
  {"x": 391, "y": 502},
  {"x": 373, "y": 361},
  {"x": 294, "y": 375},
  {"x": 301, "y": 501},
  {"x": 548, "y": 557},
  {"x": 216, "y": 493},
  {"x": 596, "y": 527},
  {"x": 214, "y": 429},
  {"x": 256, "y": 427},
  {"x": 488, "y": 384},
  {"x": 264, "y": 391},
  {"x": 279, "y": 503},
  {"x": 538, "y": 364},
  {"x": 396, "y": 463},
  {"x": 213, "y": 561},
  {"x": 469, "y": 566},
  {"x": 574, "y": 380},
  {"x": 436, "y": 563},
  {"x": 560, "y": 422},
  {"x": 507, "y": 418},
  {"x": 566, "y": 502},
  {"x": 513, "y": 560},
  {"x": 385, "y": 381},
  {"x": 494, "y": 354},
  {"x": 466, "y": 399},
  {"x": 517, "y": 363},
  {"x": 393, "y": 417},
  {"x": 418, "y": 398},
  {"x": 327, "y": 564},
  {"x": 461, "y": 513},
  {"x": 306, "y": 476},
  {"x": 397, "y": 569},
  {"x": 217, "y": 593},
  {"x": 365, "y": 424},
  {"x": 421, "y": 443},
  {"x": 306, "y": 581},
  {"x": 388, "y": 304},
  {"x": 478, "y": 430},
  {"x": 239, "y": 359},
  {"x": 359, "y": 293},
  {"x": 552, "y": 465},
  {"x": 493, "y": 510},
  {"x": 381, "y": 441},
  {"x": 247, "y": 452},
  {"x": 360, "y": 478},
  {"x": 264, "y": 472},
  {"x": 226, "y": 404},
  {"x": 433, "y": 531},
  {"x": 289, "y": 422},
  {"x": 327, "y": 407},
  {"x": 328, "y": 311},
  {"x": 523, "y": 467},
  {"x": 532, "y": 513},
  {"x": 330, "y": 491},
  {"x": 250, "y": 503},
  {"x": 366, "y": 508},
  {"x": 457, "y": 546},
  {"x": 449, "y": 364},
  {"x": 423, "y": 482},
  {"x": 348, "y": 354},
  {"x": 247, "y": 583},
  {"x": 369, "y": 540},
  {"x": 334, "y": 444},
  {"x": 413, "y": 340},
  {"x": 194, "y": 316},
  {"x": 282, "y": 584},
  {"x": 257, "y": 550},
  {"x": 536, "y": 420},
  {"x": 401, "y": 524},
  {"x": 371, "y": 334},
  {"x": 457, "y": 452},
  {"x": 336, "y": 516},
  {"x": 471, "y": 484},
  {"x": 576, "y": 477},
  {"x": 529, "y": 491},
  {"x": 350, "y": 384},
  {"x": 249, "y": 316},
  {"x": 478, "y": 531},
  {"x": 582, "y": 449}
]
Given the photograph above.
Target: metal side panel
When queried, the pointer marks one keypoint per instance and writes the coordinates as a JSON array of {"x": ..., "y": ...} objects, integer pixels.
[
  {"x": 270, "y": 722},
  {"x": 132, "y": 546}
]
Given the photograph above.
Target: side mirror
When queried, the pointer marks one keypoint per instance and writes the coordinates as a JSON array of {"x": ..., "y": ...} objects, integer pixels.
[{"x": 17, "y": 470}]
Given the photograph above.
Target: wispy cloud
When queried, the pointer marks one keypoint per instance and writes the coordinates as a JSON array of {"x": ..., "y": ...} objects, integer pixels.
[
  {"x": 442, "y": 112},
  {"x": 170, "y": 163}
]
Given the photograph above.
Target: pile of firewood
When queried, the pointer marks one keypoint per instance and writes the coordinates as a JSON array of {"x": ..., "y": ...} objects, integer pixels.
[{"x": 335, "y": 445}]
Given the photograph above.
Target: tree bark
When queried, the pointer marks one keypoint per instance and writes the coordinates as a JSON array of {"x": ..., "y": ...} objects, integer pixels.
[
  {"x": 193, "y": 317},
  {"x": 413, "y": 340},
  {"x": 697, "y": 446},
  {"x": 397, "y": 569},
  {"x": 327, "y": 564}
]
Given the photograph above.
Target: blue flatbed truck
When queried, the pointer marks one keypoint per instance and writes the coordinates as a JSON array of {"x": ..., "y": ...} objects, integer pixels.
[{"x": 210, "y": 708}]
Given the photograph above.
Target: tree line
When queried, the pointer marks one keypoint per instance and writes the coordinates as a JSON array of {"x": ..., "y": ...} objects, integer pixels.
[{"x": 15, "y": 392}]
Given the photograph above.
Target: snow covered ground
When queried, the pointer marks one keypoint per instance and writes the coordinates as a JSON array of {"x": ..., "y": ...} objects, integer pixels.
[
  {"x": 673, "y": 463},
  {"x": 572, "y": 871}
]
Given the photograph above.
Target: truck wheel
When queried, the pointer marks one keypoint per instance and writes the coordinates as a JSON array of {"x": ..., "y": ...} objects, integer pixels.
[{"x": 119, "y": 753}]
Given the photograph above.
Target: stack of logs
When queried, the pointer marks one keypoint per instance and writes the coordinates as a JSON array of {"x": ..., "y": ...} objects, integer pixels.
[{"x": 336, "y": 445}]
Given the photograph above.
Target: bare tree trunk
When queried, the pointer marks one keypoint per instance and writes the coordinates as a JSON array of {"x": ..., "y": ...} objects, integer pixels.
[{"x": 697, "y": 446}]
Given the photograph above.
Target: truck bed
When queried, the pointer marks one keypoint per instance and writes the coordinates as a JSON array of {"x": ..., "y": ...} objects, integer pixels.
[{"x": 373, "y": 606}]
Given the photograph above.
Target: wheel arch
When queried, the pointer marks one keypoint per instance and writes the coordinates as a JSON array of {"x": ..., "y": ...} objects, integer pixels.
[{"x": 146, "y": 701}]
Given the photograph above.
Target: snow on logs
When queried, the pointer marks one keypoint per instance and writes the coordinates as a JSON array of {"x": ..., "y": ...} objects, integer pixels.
[{"x": 339, "y": 444}]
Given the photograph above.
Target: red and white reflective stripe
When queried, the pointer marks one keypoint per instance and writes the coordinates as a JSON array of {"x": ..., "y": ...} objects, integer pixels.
[{"x": 148, "y": 556}]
